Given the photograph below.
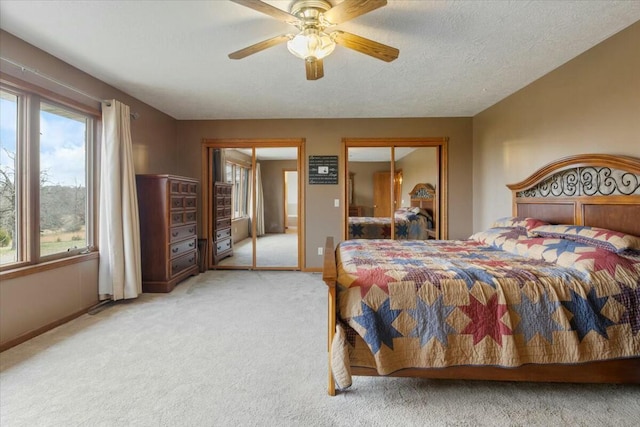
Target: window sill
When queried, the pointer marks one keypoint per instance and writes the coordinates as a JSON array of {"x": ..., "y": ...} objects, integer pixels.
[{"x": 49, "y": 265}]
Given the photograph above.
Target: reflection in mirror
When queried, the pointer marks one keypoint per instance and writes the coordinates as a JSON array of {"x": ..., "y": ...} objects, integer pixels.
[
  {"x": 272, "y": 216},
  {"x": 276, "y": 208},
  {"x": 410, "y": 196},
  {"x": 239, "y": 174},
  {"x": 370, "y": 211},
  {"x": 416, "y": 213}
]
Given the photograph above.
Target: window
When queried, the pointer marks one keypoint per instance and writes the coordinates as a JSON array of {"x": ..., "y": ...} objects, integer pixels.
[
  {"x": 9, "y": 233},
  {"x": 239, "y": 176},
  {"x": 45, "y": 179}
]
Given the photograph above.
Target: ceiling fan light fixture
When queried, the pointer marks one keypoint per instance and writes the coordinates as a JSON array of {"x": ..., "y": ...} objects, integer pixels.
[{"x": 311, "y": 44}]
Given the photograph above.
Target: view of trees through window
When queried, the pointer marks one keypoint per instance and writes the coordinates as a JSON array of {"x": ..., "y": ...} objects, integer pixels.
[
  {"x": 8, "y": 156},
  {"x": 61, "y": 148},
  {"x": 63, "y": 190}
]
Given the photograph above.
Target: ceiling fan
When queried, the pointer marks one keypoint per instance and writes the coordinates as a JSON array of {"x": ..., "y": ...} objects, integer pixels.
[{"x": 313, "y": 42}]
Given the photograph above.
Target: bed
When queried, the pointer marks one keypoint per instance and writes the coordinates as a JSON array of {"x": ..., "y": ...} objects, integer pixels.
[
  {"x": 414, "y": 222},
  {"x": 551, "y": 293}
]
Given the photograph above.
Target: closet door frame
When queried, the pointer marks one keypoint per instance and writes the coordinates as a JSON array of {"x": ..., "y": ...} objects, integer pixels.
[
  {"x": 207, "y": 147},
  {"x": 442, "y": 201}
]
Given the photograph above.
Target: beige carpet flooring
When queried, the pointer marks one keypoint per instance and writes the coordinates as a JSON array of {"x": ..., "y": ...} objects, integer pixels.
[
  {"x": 272, "y": 250},
  {"x": 248, "y": 348}
]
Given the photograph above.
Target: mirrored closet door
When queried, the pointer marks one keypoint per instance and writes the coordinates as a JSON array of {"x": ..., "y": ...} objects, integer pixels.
[
  {"x": 262, "y": 178},
  {"x": 395, "y": 188}
]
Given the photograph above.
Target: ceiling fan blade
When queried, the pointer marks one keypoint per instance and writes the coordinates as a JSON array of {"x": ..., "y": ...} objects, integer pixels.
[
  {"x": 315, "y": 69},
  {"x": 366, "y": 46},
  {"x": 350, "y": 9},
  {"x": 272, "y": 11},
  {"x": 255, "y": 48}
]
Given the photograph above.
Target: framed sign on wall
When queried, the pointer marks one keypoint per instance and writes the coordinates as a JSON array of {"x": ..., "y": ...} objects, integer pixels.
[{"x": 323, "y": 169}]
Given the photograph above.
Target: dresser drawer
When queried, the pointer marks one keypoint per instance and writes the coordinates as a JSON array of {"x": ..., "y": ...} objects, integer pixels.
[
  {"x": 183, "y": 247},
  {"x": 177, "y": 218},
  {"x": 223, "y": 212},
  {"x": 223, "y": 234},
  {"x": 190, "y": 202},
  {"x": 188, "y": 188},
  {"x": 183, "y": 187},
  {"x": 190, "y": 216},
  {"x": 187, "y": 217},
  {"x": 179, "y": 233},
  {"x": 223, "y": 223},
  {"x": 181, "y": 202},
  {"x": 221, "y": 246},
  {"x": 177, "y": 202},
  {"x": 223, "y": 190},
  {"x": 182, "y": 263}
]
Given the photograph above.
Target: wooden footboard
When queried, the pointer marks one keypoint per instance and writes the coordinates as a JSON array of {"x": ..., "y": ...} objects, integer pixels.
[
  {"x": 330, "y": 275},
  {"x": 620, "y": 371}
]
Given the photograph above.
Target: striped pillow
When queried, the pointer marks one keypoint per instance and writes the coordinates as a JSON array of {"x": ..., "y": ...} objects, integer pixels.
[{"x": 613, "y": 241}]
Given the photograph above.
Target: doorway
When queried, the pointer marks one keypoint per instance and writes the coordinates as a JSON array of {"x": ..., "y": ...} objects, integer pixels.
[
  {"x": 290, "y": 184},
  {"x": 267, "y": 197}
]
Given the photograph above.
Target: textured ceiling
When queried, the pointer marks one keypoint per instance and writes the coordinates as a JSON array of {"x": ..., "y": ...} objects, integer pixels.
[{"x": 457, "y": 58}]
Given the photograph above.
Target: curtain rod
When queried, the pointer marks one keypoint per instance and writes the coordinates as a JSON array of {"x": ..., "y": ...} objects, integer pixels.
[{"x": 61, "y": 83}]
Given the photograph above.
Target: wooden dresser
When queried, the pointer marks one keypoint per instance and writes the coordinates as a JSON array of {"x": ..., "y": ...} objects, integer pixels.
[
  {"x": 222, "y": 245},
  {"x": 168, "y": 230},
  {"x": 355, "y": 210}
]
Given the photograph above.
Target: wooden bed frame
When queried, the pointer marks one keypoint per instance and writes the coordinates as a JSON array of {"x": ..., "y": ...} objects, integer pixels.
[{"x": 598, "y": 190}]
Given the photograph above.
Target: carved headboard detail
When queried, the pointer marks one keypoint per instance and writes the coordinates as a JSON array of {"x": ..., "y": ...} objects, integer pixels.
[
  {"x": 422, "y": 196},
  {"x": 600, "y": 190}
]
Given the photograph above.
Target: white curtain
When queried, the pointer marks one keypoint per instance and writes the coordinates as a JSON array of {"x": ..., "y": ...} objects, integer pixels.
[
  {"x": 120, "y": 272},
  {"x": 259, "y": 203}
]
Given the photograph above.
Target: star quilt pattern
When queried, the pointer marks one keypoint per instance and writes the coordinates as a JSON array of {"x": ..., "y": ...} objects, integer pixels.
[
  {"x": 409, "y": 225},
  {"x": 500, "y": 298}
]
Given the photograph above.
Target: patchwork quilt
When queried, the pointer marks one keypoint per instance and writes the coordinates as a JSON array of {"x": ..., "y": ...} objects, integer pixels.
[
  {"x": 409, "y": 225},
  {"x": 500, "y": 298}
]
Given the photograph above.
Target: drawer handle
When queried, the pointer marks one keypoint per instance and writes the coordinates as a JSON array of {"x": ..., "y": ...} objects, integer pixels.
[
  {"x": 174, "y": 234},
  {"x": 219, "y": 247},
  {"x": 191, "y": 244},
  {"x": 174, "y": 250}
]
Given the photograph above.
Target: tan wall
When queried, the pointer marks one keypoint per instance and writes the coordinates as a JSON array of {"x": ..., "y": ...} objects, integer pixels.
[
  {"x": 273, "y": 191},
  {"x": 363, "y": 183},
  {"x": 323, "y": 137},
  {"x": 589, "y": 105},
  {"x": 31, "y": 302}
]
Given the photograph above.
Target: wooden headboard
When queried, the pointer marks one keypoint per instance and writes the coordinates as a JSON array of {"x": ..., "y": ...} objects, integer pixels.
[
  {"x": 599, "y": 190},
  {"x": 423, "y": 196}
]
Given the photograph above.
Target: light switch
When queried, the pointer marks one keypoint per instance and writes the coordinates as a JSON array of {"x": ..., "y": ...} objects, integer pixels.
[{"x": 336, "y": 203}]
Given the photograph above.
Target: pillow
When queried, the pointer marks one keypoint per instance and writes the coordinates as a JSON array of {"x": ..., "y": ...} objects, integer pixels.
[
  {"x": 514, "y": 221},
  {"x": 613, "y": 241},
  {"x": 422, "y": 212},
  {"x": 606, "y": 265}
]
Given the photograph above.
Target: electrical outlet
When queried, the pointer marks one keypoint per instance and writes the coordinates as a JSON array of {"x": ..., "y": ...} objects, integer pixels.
[{"x": 320, "y": 250}]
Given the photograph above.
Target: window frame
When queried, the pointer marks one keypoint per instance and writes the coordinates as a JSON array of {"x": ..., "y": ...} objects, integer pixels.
[
  {"x": 27, "y": 177},
  {"x": 239, "y": 197}
]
